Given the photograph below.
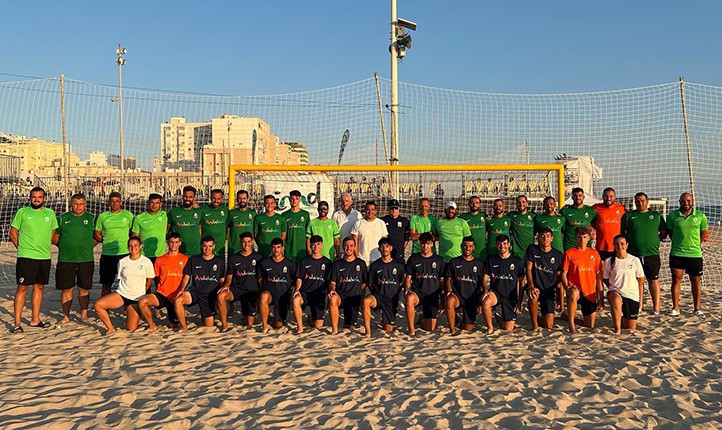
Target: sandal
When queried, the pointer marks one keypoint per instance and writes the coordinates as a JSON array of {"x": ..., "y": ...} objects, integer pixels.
[
  {"x": 41, "y": 325},
  {"x": 16, "y": 329}
]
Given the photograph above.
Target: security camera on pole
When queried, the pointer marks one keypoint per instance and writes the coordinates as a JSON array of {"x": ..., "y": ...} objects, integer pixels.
[{"x": 121, "y": 61}]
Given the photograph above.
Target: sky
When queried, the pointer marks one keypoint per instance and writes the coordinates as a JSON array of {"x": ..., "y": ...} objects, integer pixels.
[{"x": 282, "y": 46}]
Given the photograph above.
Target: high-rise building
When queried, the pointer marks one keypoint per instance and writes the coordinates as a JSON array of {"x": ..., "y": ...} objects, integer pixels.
[{"x": 181, "y": 142}]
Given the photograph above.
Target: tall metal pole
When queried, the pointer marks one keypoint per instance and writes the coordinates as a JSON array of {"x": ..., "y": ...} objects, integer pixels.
[
  {"x": 394, "y": 101},
  {"x": 66, "y": 150},
  {"x": 120, "y": 62},
  {"x": 686, "y": 137}
]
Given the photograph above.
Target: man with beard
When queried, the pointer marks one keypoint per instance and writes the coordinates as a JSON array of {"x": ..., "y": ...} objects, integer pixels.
[
  {"x": 450, "y": 231},
  {"x": 296, "y": 222},
  {"x": 186, "y": 221},
  {"x": 112, "y": 229},
  {"x": 553, "y": 221},
  {"x": 576, "y": 215},
  {"x": 501, "y": 285},
  {"x": 214, "y": 217},
  {"x": 240, "y": 220},
  {"x": 608, "y": 222},
  {"x": 522, "y": 226},
  {"x": 327, "y": 229},
  {"x": 476, "y": 219},
  {"x": 268, "y": 226},
  {"x": 498, "y": 224},
  {"x": 151, "y": 226}
]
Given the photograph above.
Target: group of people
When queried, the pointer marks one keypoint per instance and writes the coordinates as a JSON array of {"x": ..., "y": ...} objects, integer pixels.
[{"x": 356, "y": 263}]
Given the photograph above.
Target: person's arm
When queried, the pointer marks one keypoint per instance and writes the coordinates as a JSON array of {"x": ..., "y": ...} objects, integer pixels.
[
  {"x": 704, "y": 235},
  {"x": 448, "y": 289},
  {"x": 337, "y": 245},
  {"x": 182, "y": 286},
  {"x": 600, "y": 290},
  {"x": 14, "y": 236},
  {"x": 413, "y": 234},
  {"x": 533, "y": 290},
  {"x": 407, "y": 284},
  {"x": 225, "y": 285},
  {"x": 148, "y": 283},
  {"x": 297, "y": 290},
  {"x": 98, "y": 236},
  {"x": 640, "y": 281},
  {"x": 662, "y": 230},
  {"x": 331, "y": 289}
]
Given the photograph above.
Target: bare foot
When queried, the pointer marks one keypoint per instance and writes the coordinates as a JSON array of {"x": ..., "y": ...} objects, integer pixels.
[
  {"x": 618, "y": 332},
  {"x": 536, "y": 329},
  {"x": 83, "y": 316},
  {"x": 266, "y": 330},
  {"x": 490, "y": 330},
  {"x": 367, "y": 333},
  {"x": 334, "y": 331},
  {"x": 151, "y": 328},
  {"x": 65, "y": 320},
  {"x": 299, "y": 330},
  {"x": 110, "y": 331},
  {"x": 572, "y": 329},
  {"x": 412, "y": 333}
]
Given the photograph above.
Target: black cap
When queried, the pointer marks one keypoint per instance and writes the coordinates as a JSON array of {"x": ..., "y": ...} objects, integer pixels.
[{"x": 393, "y": 203}]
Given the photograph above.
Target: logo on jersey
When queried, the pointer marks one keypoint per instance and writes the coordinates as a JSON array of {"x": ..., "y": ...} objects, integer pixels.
[
  {"x": 511, "y": 266},
  {"x": 433, "y": 265},
  {"x": 591, "y": 258},
  {"x": 223, "y": 213},
  {"x": 394, "y": 271},
  {"x": 195, "y": 215},
  {"x": 506, "y": 224},
  {"x": 474, "y": 269},
  {"x": 215, "y": 267},
  {"x": 552, "y": 260},
  {"x": 85, "y": 222},
  {"x": 125, "y": 220},
  {"x": 323, "y": 266},
  {"x": 617, "y": 212},
  {"x": 528, "y": 217},
  {"x": 559, "y": 221},
  {"x": 47, "y": 219},
  {"x": 650, "y": 217},
  {"x": 398, "y": 224},
  {"x": 302, "y": 219},
  {"x": 180, "y": 264},
  {"x": 285, "y": 269},
  {"x": 586, "y": 215},
  {"x": 21, "y": 280},
  {"x": 358, "y": 267},
  {"x": 277, "y": 222},
  {"x": 253, "y": 262}
]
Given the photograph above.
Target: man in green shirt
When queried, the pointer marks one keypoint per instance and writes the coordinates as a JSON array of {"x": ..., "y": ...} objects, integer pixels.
[
  {"x": 451, "y": 231},
  {"x": 328, "y": 230},
  {"x": 75, "y": 240},
  {"x": 214, "y": 217},
  {"x": 240, "y": 220},
  {"x": 576, "y": 215},
  {"x": 644, "y": 230},
  {"x": 476, "y": 219},
  {"x": 112, "y": 229},
  {"x": 296, "y": 222},
  {"x": 688, "y": 229},
  {"x": 498, "y": 224},
  {"x": 31, "y": 232},
  {"x": 421, "y": 223},
  {"x": 551, "y": 220},
  {"x": 151, "y": 226},
  {"x": 186, "y": 221},
  {"x": 269, "y": 225},
  {"x": 522, "y": 226}
]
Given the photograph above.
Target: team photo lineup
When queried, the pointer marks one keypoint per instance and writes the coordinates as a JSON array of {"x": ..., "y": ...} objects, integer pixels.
[{"x": 291, "y": 267}]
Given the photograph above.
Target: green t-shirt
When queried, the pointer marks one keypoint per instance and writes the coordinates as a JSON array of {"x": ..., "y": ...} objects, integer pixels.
[
  {"x": 556, "y": 224},
  {"x": 152, "y": 231},
  {"x": 477, "y": 225},
  {"x": 642, "y": 230},
  {"x": 450, "y": 234},
  {"x": 214, "y": 224},
  {"x": 296, "y": 224},
  {"x": 573, "y": 218},
  {"x": 495, "y": 227},
  {"x": 76, "y": 237},
  {"x": 522, "y": 232},
  {"x": 328, "y": 230},
  {"x": 421, "y": 225},
  {"x": 266, "y": 228},
  {"x": 35, "y": 230},
  {"x": 239, "y": 221},
  {"x": 186, "y": 222},
  {"x": 685, "y": 232},
  {"x": 115, "y": 228}
]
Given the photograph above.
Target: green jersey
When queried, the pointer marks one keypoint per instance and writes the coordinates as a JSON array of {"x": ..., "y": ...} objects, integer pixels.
[
  {"x": 421, "y": 225},
  {"x": 450, "y": 233},
  {"x": 556, "y": 224},
  {"x": 573, "y": 218},
  {"x": 477, "y": 225},
  {"x": 296, "y": 224},
  {"x": 239, "y": 221},
  {"x": 267, "y": 228},
  {"x": 76, "y": 241},
  {"x": 186, "y": 222},
  {"x": 35, "y": 231},
  {"x": 685, "y": 232},
  {"x": 642, "y": 230},
  {"x": 152, "y": 230},
  {"x": 495, "y": 227},
  {"x": 522, "y": 232},
  {"x": 328, "y": 230},
  {"x": 213, "y": 223},
  {"x": 115, "y": 228}
]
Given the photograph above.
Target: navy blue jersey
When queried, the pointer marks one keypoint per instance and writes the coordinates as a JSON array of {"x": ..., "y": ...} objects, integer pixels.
[
  {"x": 314, "y": 273},
  {"x": 348, "y": 276},
  {"x": 244, "y": 269},
  {"x": 386, "y": 279},
  {"x": 278, "y": 277},
  {"x": 206, "y": 275},
  {"x": 545, "y": 266},
  {"x": 398, "y": 229},
  {"x": 425, "y": 272},
  {"x": 465, "y": 276},
  {"x": 504, "y": 273}
]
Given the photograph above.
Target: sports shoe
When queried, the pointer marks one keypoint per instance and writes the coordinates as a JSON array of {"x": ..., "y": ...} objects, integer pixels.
[
  {"x": 674, "y": 313},
  {"x": 698, "y": 313}
]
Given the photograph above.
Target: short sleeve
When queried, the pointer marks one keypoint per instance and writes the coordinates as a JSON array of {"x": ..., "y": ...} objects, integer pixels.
[
  {"x": 156, "y": 267},
  {"x": 355, "y": 229},
  {"x": 17, "y": 220},
  {"x": 607, "y": 269},
  {"x": 639, "y": 269},
  {"x": 150, "y": 271},
  {"x": 99, "y": 223},
  {"x": 54, "y": 225}
]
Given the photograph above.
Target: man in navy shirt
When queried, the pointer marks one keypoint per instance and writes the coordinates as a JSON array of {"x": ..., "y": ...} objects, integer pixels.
[
  {"x": 503, "y": 274},
  {"x": 312, "y": 275},
  {"x": 386, "y": 279},
  {"x": 424, "y": 277},
  {"x": 241, "y": 282},
  {"x": 277, "y": 277},
  {"x": 543, "y": 271},
  {"x": 348, "y": 280},
  {"x": 463, "y": 286}
]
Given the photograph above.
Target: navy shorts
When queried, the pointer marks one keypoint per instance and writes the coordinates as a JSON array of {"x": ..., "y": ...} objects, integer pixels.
[
  {"x": 165, "y": 302},
  {"x": 29, "y": 271},
  {"x": 389, "y": 307},
  {"x": 351, "y": 306},
  {"x": 68, "y": 275},
  {"x": 429, "y": 303},
  {"x": 316, "y": 301},
  {"x": 248, "y": 299},
  {"x": 206, "y": 302}
]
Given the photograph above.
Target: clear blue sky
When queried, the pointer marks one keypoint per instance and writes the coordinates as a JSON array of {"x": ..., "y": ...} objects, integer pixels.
[{"x": 268, "y": 47}]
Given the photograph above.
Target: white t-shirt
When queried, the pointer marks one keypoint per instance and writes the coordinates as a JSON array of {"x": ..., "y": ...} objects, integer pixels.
[
  {"x": 369, "y": 233},
  {"x": 623, "y": 276},
  {"x": 132, "y": 275},
  {"x": 346, "y": 222}
]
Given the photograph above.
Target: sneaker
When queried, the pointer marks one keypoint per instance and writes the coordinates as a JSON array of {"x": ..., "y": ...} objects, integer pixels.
[
  {"x": 698, "y": 313},
  {"x": 674, "y": 313}
]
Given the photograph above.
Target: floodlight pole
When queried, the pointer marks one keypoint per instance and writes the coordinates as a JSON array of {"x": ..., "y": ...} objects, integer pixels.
[
  {"x": 394, "y": 160},
  {"x": 120, "y": 60}
]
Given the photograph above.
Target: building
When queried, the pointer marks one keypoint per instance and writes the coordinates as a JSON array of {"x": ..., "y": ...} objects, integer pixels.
[
  {"x": 181, "y": 143},
  {"x": 35, "y": 156}
]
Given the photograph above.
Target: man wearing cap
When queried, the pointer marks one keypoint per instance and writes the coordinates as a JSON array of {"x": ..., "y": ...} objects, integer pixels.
[
  {"x": 347, "y": 216},
  {"x": 367, "y": 233},
  {"x": 398, "y": 228},
  {"x": 450, "y": 231},
  {"x": 327, "y": 229}
]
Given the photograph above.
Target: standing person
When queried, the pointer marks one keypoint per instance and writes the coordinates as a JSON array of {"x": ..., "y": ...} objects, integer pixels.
[
  {"x": 296, "y": 223},
  {"x": 112, "y": 229},
  {"x": 645, "y": 229},
  {"x": 31, "y": 232},
  {"x": 186, "y": 221},
  {"x": 420, "y": 223},
  {"x": 268, "y": 226},
  {"x": 553, "y": 221},
  {"x": 277, "y": 277},
  {"x": 76, "y": 264},
  {"x": 422, "y": 287},
  {"x": 608, "y": 222},
  {"x": 240, "y": 220},
  {"x": 347, "y": 216},
  {"x": 624, "y": 277},
  {"x": 476, "y": 219},
  {"x": 168, "y": 270},
  {"x": 312, "y": 275},
  {"x": 463, "y": 287},
  {"x": 543, "y": 273},
  {"x": 576, "y": 215},
  {"x": 151, "y": 226},
  {"x": 451, "y": 231},
  {"x": 522, "y": 226},
  {"x": 687, "y": 227},
  {"x": 241, "y": 283},
  {"x": 346, "y": 286},
  {"x": 385, "y": 281},
  {"x": 398, "y": 228},
  {"x": 496, "y": 226},
  {"x": 367, "y": 232},
  {"x": 202, "y": 278},
  {"x": 501, "y": 284},
  {"x": 214, "y": 217},
  {"x": 327, "y": 229},
  {"x": 582, "y": 280},
  {"x": 135, "y": 274}
]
